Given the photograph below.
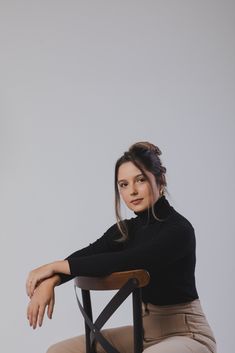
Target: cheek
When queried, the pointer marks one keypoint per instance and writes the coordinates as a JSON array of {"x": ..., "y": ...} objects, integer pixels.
[
  {"x": 123, "y": 194},
  {"x": 147, "y": 192},
  {"x": 144, "y": 188}
]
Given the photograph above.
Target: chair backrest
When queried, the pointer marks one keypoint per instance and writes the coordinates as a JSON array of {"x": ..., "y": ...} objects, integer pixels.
[
  {"x": 113, "y": 281},
  {"x": 127, "y": 282}
]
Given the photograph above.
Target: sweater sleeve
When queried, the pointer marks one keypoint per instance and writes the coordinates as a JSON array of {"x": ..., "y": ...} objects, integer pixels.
[
  {"x": 102, "y": 245},
  {"x": 170, "y": 244}
]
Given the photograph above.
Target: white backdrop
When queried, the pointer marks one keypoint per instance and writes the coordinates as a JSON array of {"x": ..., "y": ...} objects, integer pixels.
[{"x": 80, "y": 81}]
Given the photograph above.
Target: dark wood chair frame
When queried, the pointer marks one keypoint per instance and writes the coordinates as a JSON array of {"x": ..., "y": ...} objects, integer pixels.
[{"x": 126, "y": 282}]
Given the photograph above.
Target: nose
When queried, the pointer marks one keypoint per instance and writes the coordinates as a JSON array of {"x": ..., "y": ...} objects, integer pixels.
[{"x": 133, "y": 190}]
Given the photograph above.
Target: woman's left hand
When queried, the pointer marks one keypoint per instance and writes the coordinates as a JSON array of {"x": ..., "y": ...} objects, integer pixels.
[{"x": 36, "y": 276}]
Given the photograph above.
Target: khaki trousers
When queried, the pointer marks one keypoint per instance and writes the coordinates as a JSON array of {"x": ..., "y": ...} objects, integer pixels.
[{"x": 180, "y": 328}]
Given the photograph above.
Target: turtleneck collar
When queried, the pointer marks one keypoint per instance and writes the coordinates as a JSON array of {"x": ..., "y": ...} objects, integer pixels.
[{"x": 162, "y": 210}]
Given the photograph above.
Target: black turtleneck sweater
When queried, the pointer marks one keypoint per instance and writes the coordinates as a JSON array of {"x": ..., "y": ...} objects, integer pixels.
[{"x": 166, "y": 249}]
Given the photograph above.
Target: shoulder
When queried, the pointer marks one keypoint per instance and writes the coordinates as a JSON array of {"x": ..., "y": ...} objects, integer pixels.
[
  {"x": 113, "y": 229},
  {"x": 177, "y": 219},
  {"x": 179, "y": 228},
  {"x": 113, "y": 232},
  {"x": 176, "y": 228}
]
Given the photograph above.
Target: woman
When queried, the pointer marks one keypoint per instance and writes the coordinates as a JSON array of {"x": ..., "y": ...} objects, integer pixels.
[{"x": 158, "y": 239}]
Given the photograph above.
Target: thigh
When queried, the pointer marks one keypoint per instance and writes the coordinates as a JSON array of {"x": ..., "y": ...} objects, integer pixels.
[
  {"x": 120, "y": 337},
  {"x": 177, "y": 344}
]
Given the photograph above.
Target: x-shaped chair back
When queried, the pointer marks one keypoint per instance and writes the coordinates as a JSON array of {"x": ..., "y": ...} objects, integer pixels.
[{"x": 126, "y": 282}]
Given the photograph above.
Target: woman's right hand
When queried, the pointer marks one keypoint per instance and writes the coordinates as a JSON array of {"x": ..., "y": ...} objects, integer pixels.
[{"x": 43, "y": 297}]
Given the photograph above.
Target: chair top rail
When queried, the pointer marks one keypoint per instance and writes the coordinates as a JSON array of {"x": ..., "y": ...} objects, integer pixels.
[{"x": 113, "y": 281}]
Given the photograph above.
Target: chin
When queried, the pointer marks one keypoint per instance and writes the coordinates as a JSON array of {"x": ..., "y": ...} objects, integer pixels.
[{"x": 139, "y": 208}]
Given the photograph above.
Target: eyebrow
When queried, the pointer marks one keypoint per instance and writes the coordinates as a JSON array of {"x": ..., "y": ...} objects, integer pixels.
[{"x": 134, "y": 177}]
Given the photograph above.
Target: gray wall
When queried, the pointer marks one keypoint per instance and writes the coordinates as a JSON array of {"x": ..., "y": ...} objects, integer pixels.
[{"x": 82, "y": 80}]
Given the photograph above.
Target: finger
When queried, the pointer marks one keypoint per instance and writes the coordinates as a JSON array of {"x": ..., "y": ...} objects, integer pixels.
[
  {"x": 27, "y": 285},
  {"x": 50, "y": 308},
  {"x": 32, "y": 287},
  {"x": 28, "y": 311},
  {"x": 30, "y": 315},
  {"x": 41, "y": 313},
  {"x": 34, "y": 317}
]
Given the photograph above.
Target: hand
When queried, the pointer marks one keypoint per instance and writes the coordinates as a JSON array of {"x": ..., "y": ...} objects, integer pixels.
[
  {"x": 43, "y": 297},
  {"x": 36, "y": 276}
]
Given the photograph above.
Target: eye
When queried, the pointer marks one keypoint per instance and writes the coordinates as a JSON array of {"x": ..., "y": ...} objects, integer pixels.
[
  {"x": 141, "y": 179},
  {"x": 122, "y": 185}
]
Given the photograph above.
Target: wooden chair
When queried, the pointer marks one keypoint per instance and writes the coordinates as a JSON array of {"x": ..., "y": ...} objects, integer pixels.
[{"x": 126, "y": 282}]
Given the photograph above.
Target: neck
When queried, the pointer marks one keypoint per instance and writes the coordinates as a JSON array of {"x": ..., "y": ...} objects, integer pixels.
[{"x": 162, "y": 209}]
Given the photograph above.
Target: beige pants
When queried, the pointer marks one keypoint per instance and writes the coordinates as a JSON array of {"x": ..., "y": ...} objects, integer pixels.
[{"x": 180, "y": 328}]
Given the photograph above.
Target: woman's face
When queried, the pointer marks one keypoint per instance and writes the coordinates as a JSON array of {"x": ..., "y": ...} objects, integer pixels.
[{"x": 133, "y": 185}]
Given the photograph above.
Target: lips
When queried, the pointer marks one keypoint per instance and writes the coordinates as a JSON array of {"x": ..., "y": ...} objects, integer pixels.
[{"x": 136, "y": 201}]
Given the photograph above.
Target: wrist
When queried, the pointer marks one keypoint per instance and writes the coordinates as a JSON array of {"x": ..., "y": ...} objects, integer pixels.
[
  {"x": 55, "y": 280},
  {"x": 52, "y": 281}
]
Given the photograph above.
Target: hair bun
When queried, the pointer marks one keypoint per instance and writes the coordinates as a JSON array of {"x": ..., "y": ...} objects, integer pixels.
[
  {"x": 146, "y": 146},
  {"x": 155, "y": 149}
]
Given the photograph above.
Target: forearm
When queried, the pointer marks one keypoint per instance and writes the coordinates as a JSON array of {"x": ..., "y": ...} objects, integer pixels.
[
  {"x": 61, "y": 266},
  {"x": 60, "y": 278}
]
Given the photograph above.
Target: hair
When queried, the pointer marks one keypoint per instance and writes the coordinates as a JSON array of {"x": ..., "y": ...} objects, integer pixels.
[{"x": 145, "y": 156}]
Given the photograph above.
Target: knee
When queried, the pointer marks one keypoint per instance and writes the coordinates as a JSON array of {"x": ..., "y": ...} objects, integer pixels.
[
  {"x": 71, "y": 345},
  {"x": 58, "y": 347},
  {"x": 54, "y": 348}
]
